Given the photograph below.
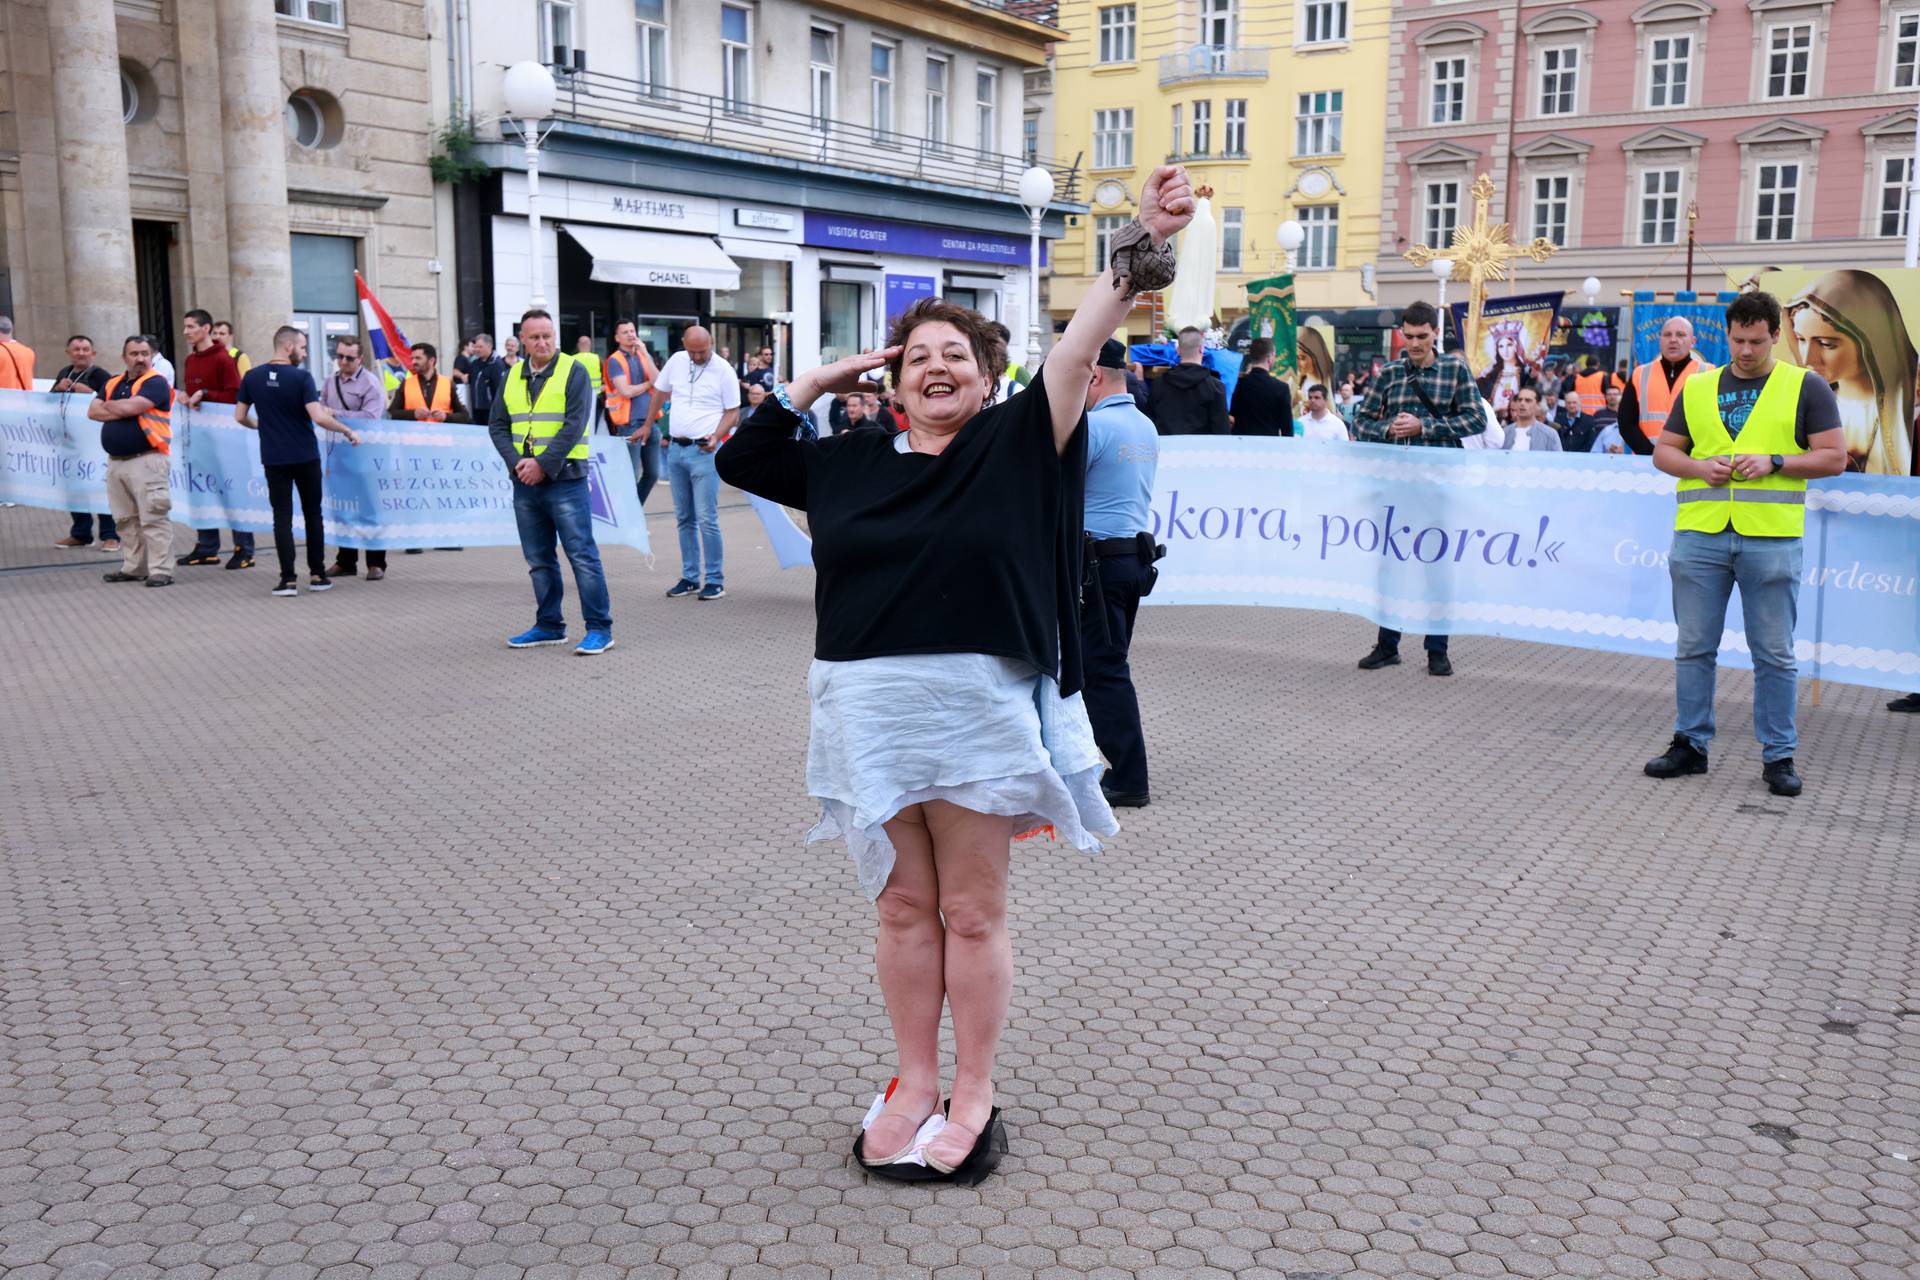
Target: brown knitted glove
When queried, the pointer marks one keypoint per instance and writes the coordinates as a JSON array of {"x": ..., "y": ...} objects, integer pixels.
[{"x": 1139, "y": 267}]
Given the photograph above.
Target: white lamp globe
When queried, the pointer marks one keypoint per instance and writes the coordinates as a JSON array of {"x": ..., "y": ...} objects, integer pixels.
[
  {"x": 1036, "y": 188},
  {"x": 1442, "y": 268},
  {"x": 528, "y": 91},
  {"x": 1591, "y": 287},
  {"x": 1290, "y": 235}
]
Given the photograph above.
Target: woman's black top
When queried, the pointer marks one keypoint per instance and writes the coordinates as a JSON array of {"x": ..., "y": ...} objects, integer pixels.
[{"x": 972, "y": 550}]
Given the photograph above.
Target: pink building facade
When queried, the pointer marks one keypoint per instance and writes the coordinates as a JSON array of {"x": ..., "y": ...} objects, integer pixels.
[{"x": 1788, "y": 123}]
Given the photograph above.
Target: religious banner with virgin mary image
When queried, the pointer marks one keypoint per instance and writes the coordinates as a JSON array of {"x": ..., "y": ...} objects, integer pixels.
[
  {"x": 1856, "y": 329},
  {"x": 1509, "y": 350}
]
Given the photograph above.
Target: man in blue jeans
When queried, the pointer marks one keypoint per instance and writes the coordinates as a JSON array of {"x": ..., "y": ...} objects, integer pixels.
[
  {"x": 1743, "y": 441},
  {"x": 706, "y": 403},
  {"x": 539, "y": 425}
]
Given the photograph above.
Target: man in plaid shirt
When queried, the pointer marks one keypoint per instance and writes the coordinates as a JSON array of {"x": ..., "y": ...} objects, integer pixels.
[{"x": 1423, "y": 398}]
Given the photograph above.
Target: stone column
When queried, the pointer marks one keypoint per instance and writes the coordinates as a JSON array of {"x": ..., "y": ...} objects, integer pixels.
[
  {"x": 254, "y": 144},
  {"x": 96, "y": 213}
]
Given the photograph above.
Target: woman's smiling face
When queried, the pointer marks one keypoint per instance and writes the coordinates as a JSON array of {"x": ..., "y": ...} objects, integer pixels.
[{"x": 941, "y": 383}]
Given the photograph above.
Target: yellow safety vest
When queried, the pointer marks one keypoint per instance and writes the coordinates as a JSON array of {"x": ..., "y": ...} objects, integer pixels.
[
  {"x": 535, "y": 423},
  {"x": 1774, "y": 506},
  {"x": 591, "y": 359}
]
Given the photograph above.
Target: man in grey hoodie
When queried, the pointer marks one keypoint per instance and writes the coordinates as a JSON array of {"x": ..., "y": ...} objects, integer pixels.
[{"x": 1527, "y": 433}]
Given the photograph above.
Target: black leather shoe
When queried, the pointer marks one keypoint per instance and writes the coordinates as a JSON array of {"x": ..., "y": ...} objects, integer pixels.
[
  {"x": 240, "y": 560},
  {"x": 1905, "y": 702},
  {"x": 201, "y": 557},
  {"x": 1781, "y": 779},
  {"x": 1380, "y": 657},
  {"x": 1125, "y": 799},
  {"x": 1681, "y": 759},
  {"x": 1438, "y": 664}
]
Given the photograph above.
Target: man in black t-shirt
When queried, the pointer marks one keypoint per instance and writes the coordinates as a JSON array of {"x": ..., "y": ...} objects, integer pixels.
[
  {"x": 82, "y": 376},
  {"x": 282, "y": 396}
]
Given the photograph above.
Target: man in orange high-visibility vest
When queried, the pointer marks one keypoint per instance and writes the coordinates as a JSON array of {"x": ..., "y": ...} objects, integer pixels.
[
  {"x": 1654, "y": 388},
  {"x": 426, "y": 396}
]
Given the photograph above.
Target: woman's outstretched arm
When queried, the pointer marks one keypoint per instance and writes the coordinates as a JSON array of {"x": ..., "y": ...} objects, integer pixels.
[{"x": 1166, "y": 205}]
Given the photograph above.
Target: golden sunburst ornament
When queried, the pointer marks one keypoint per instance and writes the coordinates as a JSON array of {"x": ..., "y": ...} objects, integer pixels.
[{"x": 1480, "y": 252}]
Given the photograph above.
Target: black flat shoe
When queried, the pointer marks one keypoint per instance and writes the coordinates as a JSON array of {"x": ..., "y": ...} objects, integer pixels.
[
  {"x": 1682, "y": 758},
  {"x": 1438, "y": 664},
  {"x": 1905, "y": 702},
  {"x": 987, "y": 1151},
  {"x": 1380, "y": 657},
  {"x": 1781, "y": 779},
  {"x": 1125, "y": 799}
]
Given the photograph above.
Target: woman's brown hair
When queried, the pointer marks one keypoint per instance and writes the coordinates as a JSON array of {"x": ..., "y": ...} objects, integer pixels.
[{"x": 989, "y": 351}]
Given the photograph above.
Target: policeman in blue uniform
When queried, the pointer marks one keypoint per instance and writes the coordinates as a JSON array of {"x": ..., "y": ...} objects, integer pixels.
[{"x": 1123, "y": 451}]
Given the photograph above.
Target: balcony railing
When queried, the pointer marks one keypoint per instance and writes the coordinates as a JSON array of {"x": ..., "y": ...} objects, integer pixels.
[
  {"x": 1214, "y": 62},
  {"x": 775, "y": 135}
]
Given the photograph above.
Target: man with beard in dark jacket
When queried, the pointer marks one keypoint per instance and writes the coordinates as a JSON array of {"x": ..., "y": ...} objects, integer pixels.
[{"x": 1189, "y": 400}]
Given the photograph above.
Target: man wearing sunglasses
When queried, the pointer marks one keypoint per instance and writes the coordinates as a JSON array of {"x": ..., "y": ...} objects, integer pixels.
[{"x": 353, "y": 393}]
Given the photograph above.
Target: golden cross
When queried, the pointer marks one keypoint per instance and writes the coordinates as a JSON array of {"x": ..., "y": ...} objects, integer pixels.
[{"x": 1480, "y": 252}]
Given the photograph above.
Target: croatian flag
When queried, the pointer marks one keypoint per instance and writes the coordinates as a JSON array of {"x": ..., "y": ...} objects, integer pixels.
[{"x": 389, "y": 344}]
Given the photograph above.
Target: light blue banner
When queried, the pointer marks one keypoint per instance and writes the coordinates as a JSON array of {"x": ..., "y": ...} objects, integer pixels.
[
  {"x": 407, "y": 484},
  {"x": 1709, "y": 320},
  {"x": 1563, "y": 548}
]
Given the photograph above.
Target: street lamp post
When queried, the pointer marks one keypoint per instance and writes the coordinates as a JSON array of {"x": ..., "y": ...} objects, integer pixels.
[
  {"x": 1442, "y": 268},
  {"x": 528, "y": 95},
  {"x": 1290, "y": 236},
  {"x": 1036, "y": 193}
]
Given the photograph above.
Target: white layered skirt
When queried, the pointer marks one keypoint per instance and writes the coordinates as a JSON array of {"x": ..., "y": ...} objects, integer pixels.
[{"x": 985, "y": 733}]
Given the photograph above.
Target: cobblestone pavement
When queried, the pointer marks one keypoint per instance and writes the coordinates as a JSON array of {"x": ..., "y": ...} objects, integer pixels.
[{"x": 338, "y": 940}]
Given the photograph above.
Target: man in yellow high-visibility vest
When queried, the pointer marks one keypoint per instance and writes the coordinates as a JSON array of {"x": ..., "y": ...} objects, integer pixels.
[
  {"x": 540, "y": 425},
  {"x": 1743, "y": 441}
]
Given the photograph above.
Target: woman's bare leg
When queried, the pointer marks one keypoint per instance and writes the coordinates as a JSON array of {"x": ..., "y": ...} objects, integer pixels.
[
  {"x": 970, "y": 854},
  {"x": 908, "y": 954}
]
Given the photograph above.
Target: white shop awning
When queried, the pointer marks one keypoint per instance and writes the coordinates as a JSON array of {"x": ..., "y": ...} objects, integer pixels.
[{"x": 656, "y": 259}]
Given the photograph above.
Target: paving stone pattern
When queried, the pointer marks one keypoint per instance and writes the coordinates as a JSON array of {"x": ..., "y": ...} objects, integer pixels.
[{"x": 339, "y": 941}]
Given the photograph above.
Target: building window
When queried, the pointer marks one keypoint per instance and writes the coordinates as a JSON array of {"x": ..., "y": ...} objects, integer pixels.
[
  {"x": 1235, "y": 141},
  {"x": 558, "y": 31},
  {"x": 882, "y": 89},
  {"x": 1104, "y": 227},
  {"x": 1220, "y": 23},
  {"x": 986, "y": 90},
  {"x": 1233, "y": 232},
  {"x": 1551, "y": 198},
  {"x": 1559, "y": 80},
  {"x": 1906, "y": 50},
  {"x": 825, "y": 57},
  {"x": 1178, "y": 138},
  {"x": 844, "y": 308},
  {"x": 314, "y": 119},
  {"x": 1442, "y": 214},
  {"x": 1116, "y": 33},
  {"x": 1202, "y": 127},
  {"x": 1776, "y": 194},
  {"x": 1030, "y": 139},
  {"x": 1669, "y": 70},
  {"x": 325, "y": 12},
  {"x": 1449, "y": 105},
  {"x": 130, "y": 98},
  {"x": 1789, "y": 58},
  {"x": 736, "y": 57},
  {"x": 937, "y": 69},
  {"x": 1320, "y": 251},
  {"x": 651, "y": 15},
  {"x": 1896, "y": 175},
  {"x": 1323, "y": 21},
  {"x": 1113, "y": 138},
  {"x": 1316, "y": 124},
  {"x": 1660, "y": 206}
]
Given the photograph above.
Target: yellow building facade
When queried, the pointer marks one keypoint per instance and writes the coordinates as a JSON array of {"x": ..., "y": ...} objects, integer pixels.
[{"x": 1279, "y": 105}]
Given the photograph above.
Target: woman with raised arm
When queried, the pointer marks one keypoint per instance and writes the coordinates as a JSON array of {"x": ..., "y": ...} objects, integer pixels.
[{"x": 945, "y": 685}]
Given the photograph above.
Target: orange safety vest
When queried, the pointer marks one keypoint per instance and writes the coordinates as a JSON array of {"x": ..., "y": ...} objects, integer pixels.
[
  {"x": 1592, "y": 384},
  {"x": 1655, "y": 397},
  {"x": 442, "y": 394},
  {"x": 619, "y": 407},
  {"x": 156, "y": 423}
]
